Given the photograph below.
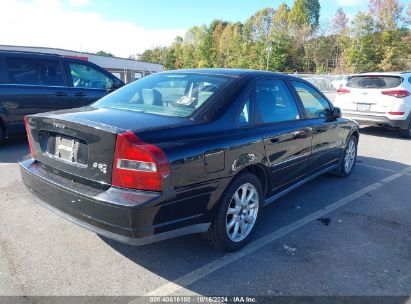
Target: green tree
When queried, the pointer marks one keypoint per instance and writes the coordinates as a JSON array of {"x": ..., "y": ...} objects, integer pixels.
[
  {"x": 387, "y": 14},
  {"x": 305, "y": 13},
  {"x": 362, "y": 54},
  {"x": 280, "y": 59},
  {"x": 206, "y": 50},
  {"x": 339, "y": 32},
  {"x": 105, "y": 54},
  {"x": 231, "y": 55},
  {"x": 280, "y": 19},
  {"x": 256, "y": 35},
  {"x": 291, "y": 39}
]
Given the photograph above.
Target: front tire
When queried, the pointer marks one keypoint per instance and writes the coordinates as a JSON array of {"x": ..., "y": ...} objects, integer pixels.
[
  {"x": 236, "y": 218},
  {"x": 349, "y": 158}
]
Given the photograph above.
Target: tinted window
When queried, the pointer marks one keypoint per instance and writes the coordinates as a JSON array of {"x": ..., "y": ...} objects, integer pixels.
[
  {"x": 34, "y": 72},
  {"x": 165, "y": 94},
  {"x": 274, "y": 102},
  {"x": 245, "y": 115},
  {"x": 85, "y": 76},
  {"x": 374, "y": 82},
  {"x": 315, "y": 105}
]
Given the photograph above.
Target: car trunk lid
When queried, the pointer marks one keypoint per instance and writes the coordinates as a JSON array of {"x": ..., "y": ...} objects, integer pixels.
[{"x": 80, "y": 143}]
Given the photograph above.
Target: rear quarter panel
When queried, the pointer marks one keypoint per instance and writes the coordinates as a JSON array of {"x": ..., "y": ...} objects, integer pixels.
[{"x": 203, "y": 163}]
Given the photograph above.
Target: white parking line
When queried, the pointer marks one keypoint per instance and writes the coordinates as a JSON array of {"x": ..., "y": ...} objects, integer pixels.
[
  {"x": 376, "y": 167},
  {"x": 215, "y": 265}
]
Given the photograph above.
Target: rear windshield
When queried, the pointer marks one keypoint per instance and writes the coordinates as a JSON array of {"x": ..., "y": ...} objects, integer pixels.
[
  {"x": 374, "y": 82},
  {"x": 168, "y": 94}
]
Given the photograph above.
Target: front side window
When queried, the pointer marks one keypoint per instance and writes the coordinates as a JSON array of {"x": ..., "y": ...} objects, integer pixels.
[
  {"x": 34, "y": 71},
  {"x": 274, "y": 102},
  {"x": 85, "y": 76},
  {"x": 165, "y": 94},
  {"x": 315, "y": 105}
]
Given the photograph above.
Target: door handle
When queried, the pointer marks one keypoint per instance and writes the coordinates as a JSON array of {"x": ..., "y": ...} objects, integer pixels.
[
  {"x": 321, "y": 130},
  {"x": 80, "y": 94},
  {"x": 275, "y": 140},
  {"x": 302, "y": 133},
  {"x": 61, "y": 94}
]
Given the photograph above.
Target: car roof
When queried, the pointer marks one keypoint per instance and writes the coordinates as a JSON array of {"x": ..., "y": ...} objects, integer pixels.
[
  {"x": 28, "y": 53},
  {"x": 383, "y": 73},
  {"x": 228, "y": 72}
]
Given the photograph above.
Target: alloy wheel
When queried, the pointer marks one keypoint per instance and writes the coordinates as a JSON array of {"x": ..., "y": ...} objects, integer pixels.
[
  {"x": 350, "y": 155},
  {"x": 242, "y": 212}
]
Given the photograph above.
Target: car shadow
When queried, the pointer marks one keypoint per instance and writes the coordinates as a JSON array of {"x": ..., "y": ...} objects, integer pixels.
[
  {"x": 381, "y": 132},
  {"x": 174, "y": 258},
  {"x": 14, "y": 149}
]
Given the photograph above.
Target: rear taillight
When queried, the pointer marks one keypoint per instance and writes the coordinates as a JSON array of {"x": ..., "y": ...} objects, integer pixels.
[
  {"x": 397, "y": 93},
  {"x": 396, "y": 113},
  {"x": 138, "y": 165},
  {"x": 341, "y": 91},
  {"x": 29, "y": 136}
]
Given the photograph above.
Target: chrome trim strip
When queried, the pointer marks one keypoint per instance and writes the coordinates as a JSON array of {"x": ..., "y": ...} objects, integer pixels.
[
  {"x": 291, "y": 159},
  {"x": 33, "y": 85}
]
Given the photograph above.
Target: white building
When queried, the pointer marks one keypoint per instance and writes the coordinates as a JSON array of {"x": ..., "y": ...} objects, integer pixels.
[{"x": 126, "y": 69}]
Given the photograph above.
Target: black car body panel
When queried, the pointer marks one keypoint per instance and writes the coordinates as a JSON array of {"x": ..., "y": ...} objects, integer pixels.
[
  {"x": 33, "y": 83},
  {"x": 205, "y": 153}
]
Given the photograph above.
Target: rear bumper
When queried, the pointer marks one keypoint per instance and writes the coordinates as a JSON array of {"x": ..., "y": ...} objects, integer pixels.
[
  {"x": 377, "y": 120},
  {"x": 127, "y": 216}
]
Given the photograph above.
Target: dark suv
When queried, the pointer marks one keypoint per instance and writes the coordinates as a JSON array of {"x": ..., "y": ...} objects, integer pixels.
[{"x": 32, "y": 83}]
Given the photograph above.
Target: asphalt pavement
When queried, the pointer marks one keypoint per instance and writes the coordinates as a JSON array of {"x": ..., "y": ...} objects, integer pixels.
[{"x": 332, "y": 236}]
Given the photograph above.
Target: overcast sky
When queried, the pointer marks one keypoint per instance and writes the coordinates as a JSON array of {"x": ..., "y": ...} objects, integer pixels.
[{"x": 125, "y": 27}]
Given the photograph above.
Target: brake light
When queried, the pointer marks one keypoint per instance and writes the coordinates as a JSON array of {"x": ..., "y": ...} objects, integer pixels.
[
  {"x": 28, "y": 136},
  {"x": 396, "y": 113},
  {"x": 138, "y": 165},
  {"x": 341, "y": 91},
  {"x": 397, "y": 93}
]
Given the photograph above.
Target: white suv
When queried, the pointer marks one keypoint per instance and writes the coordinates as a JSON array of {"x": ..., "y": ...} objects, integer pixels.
[
  {"x": 339, "y": 81},
  {"x": 382, "y": 99}
]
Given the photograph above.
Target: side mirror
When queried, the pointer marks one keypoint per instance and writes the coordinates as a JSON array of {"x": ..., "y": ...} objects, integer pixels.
[{"x": 337, "y": 113}]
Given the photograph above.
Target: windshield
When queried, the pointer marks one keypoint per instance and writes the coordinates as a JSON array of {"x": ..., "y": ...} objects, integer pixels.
[
  {"x": 165, "y": 94},
  {"x": 374, "y": 82}
]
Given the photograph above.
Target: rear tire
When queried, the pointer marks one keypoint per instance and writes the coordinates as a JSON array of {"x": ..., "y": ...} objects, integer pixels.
[
  {"x": 349, "y": 158},
  {"x": 406, "y": 133},
  {"x": 236, "y": 218},
  {"x": 2, "y": 134}
]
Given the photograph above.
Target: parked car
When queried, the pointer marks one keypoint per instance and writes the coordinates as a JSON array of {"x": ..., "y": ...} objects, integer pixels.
[
  {"x": 189, "y": 151},
  {"x": 381, "y": 99},
  {"x": 34, "y": 82},
  {"x": 339, "y": 81}
]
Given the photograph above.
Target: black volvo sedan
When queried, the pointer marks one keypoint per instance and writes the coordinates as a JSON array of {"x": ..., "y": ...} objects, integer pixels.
[{"x": 189, "y": 151}]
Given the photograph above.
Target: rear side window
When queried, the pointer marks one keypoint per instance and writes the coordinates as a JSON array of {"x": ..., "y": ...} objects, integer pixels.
[
  {"x": 274, "y": 102},
  {"x": 374, "y": 82},
  {"x": 244, "y": 118},
  {"x": 34, "y": 72}
]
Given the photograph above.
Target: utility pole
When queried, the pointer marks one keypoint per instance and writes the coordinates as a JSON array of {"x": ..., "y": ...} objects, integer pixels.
[{"x": 268, "y": 54}]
